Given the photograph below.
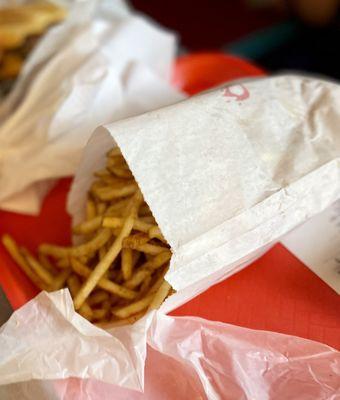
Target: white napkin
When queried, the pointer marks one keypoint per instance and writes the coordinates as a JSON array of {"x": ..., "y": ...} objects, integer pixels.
[{"x": 102, "y": 64}]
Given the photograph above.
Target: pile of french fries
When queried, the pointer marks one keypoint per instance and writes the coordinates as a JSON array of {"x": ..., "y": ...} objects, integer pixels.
[{"x": 117, "y": 273}]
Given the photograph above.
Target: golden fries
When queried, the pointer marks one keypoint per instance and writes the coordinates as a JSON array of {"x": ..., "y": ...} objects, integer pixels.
[
  {"x": 103, "y": 283},
  {"x": 160, "y": 295},
  {"x": 13, "y": 250},
  {"x": 117, "y": 273},
  {"x": 82, "y": 250},
  {"x": 43, "y": 274},
  {"x": 89, "y": 226},
  {"x": 90, "y": 209},
  {"x": 127, "y": 263},
  {"x": 133, "y": 308},
  {"x": 146, "y": 248}
]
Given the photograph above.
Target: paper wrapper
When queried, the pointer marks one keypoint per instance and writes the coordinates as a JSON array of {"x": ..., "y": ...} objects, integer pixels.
[
  {"x": 187, "y": 358},
  {"x": 226, "y": 174},
  {"x": 102, "y": 64}
]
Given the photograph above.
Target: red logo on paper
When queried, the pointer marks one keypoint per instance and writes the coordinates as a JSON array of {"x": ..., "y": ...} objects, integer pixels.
[{"x": 236, "y": 92}]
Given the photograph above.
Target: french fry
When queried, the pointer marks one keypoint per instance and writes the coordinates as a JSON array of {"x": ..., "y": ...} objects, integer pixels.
[
  {"x": 126, "y": 263},
  {"x": 109, "y": 193},
  {"x": 90, "y": 209},
  {"x": 147, "y": 268},
  {"x": 102, "y": 173},
  {"x": 113, "y": 222},
  {"x": 148, "y": 219},
  {"x": 43, "y": 273},
  {"x": 137, "y": 278},
  {"x": 114, "y": 159},
  {"x": 155, "y": 232},
  {"x": 14, "y": 252},
  {"x": 158, "y": 282},
  {"x": 78, "y": 251},
  {"x": 46, "y": 263},
  {"x": 110, "y": 256},
  {"x": 99, "y": 313},
  {"x": 121, "y": 322},
  {"x": 160, "y": 295},
  {"x": 103, "y": 283},
  {"x": 73, "y": 284},
  {"x": 115, "y": 162},
  {"x": 133, "y": 308},
  {"x": 147, "y": 248},
  {"x": 117, "y": 207},
  {"x": 114, "y": 152},
  {"x": 60, "y": 280},
  {"x": 144, "y": 211},
  {"x": 62, "y": 262},
  {"x": 98, "y": 297},
  {"x": 86, "y": 312},
  {"x": 145, "y": 285},
  {"x": 135, "y": 258},
  {"x": 121, "y": 172},
  {"x": 159, "y": 260},
  {"x": 135, "y": 240},
  {"x": 100, "y": 208},
  {"x": 117, "y": 222},
  {"x": 89, "y": 226},
  {"x": 102, "y": 252}
]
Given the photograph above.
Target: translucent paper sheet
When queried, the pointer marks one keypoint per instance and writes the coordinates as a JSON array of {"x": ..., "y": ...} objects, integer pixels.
[
  {"x": 187, "y": 358},
  {"x": 226, "y": 174}
]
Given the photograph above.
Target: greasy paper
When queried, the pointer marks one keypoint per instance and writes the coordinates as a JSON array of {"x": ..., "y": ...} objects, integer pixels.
[{"x": 102, "y": 64}]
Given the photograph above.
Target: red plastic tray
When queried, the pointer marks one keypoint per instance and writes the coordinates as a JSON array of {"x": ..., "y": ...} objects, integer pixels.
[{"x": 276, "y": 293}]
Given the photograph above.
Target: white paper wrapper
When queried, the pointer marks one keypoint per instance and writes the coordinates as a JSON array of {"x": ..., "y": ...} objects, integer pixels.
[
  {"x": 187, "y": 358},
  {"x": 103, "y": 63},
  {"x": 226, "y": 174}
]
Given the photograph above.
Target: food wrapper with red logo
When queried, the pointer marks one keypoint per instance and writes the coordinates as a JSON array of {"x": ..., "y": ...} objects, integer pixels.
[{"x": 226, "y": 174}]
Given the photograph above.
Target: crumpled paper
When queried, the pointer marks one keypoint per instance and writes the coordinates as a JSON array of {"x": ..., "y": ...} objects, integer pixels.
[
  {"x": 102, "y": 64},
  {"x": 225, "y": 174},
  {"x": 186, "y": 358}
]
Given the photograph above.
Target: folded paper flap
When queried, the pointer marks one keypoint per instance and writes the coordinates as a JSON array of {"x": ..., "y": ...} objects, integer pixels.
[
  {"x": 261, "y": 225},
  {"x": 213, "y": 160},
  {"x": 56, "y": 342}
]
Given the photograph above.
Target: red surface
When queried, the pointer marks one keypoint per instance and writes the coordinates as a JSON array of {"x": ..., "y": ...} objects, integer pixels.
[
  {"x": 276, "y": 293},
  {"x": 201, "y": 71},
  {"x": 52, "y": 225}
]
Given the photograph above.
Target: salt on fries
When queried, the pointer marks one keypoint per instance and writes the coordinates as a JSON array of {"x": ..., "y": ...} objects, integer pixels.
[{"x": 117, "y": 273}]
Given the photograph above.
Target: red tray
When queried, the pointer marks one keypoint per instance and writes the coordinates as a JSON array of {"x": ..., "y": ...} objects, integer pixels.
[{"x": 276, "y": 293}]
